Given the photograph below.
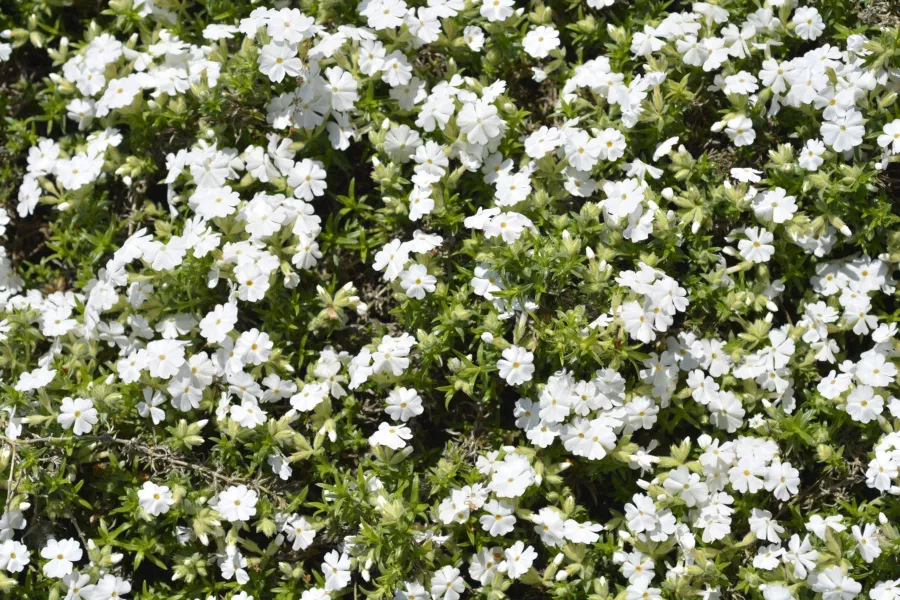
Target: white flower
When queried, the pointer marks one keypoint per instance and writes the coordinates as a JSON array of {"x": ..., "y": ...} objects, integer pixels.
[
  {"x": 513, "y": 477},
  {"x": 811, "y": 155},
  {"x": 217, "y": 323},
  {"x": 14, "y": 556},
  {"x": 726, "y": 411},
  {"x": 391, "y": 259},
  {"x": 392, "y": 355},
  {"x": 390, "y": 435},
  {"x": 864, "y": 405},
  {"x": 336, "y": 568},
  {"x": 474, "y": 37},
  {"x": 636, "y": 322},
  {"x": 307, "y": 178},
  {"x": 496, "y": 10},
  {"x": 845, "y": 132},
  {"x": 582, "y": 151},
  {"x": 237, "y": 503},
  {"x": 885, "y": 590},
  {"x": 664, "y": 148},
  {"x": 542, "y": 141},
  {"x": 77, "y": 586},
  {"x": 416, "y": 281},
  {"x": 833, "y": 584},
  {"x": 79, "y": 415},
  {"x": 480, "y": 122},
  {"x": 385, "y": 14},
  {"x": 169, "y": 256},
  {"x": 278, "y": 59},
  {"x": 299, "y": 532},
  {"x": 483, "y": 565},
  {"x": 757, "y": 247},
  {"x": 280, "y": 466},
  {"x": 746, "y": 175},
  {"x": 687, "y": 485},
  {"x": 516, "y": 366},
  {"x": 401, "y": 143},
  {"x": 10, "y": 522},
  {"x": 783, "y": 480},
  {"x": 764, "y": 526},
  {"x": 36, "y": 379},
  {"x": 776, "y": 592},
  {"x": 891, "y": 137},
  {"x": 867, "y": 542},
  {"x": 622, "y": 197},
  {"x": 540, "y": 41},
  {"x": 60, "y": 555},
  {"x": 517, "y": 560},
  {"x": 164, "y": 358},
  {"x": 397, "y": 70},
  {"x": 309, "y": 397},
  {"x": 499, "y": 518},
  {"x": 875, "y": 370},
  {"x": 548, "y": 523},
  {"x": 404, "y": 403},
  {"x": 214, "y": 202},
  {"x": 611, "y": 143},
  {"x": 343, "y": 88},
  {"x": 640, "y": 413},
  {"x": 740, "y": 131},
  {"x": 819, "y": 526},
  {"x": 800, "y": 555},
  {"x": 582, "y": 533},
  {"x": 254, "y": 347},
  {"x": 774, "y": 205},
  {"x": 808, "y": 24},
  {"x": 509, "y": 226},
  {"x": 741, "y": 83},
  {"x": 232, "y": 564},
  {"x": 110, "y": 587},
  {"x": 155, "y": 499},
  {"x": 289, "y": 24},
  {"x": 446, "y": 584}
]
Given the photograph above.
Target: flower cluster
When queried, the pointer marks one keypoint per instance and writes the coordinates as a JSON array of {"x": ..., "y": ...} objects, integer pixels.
[{"x": 442, "y": 300}]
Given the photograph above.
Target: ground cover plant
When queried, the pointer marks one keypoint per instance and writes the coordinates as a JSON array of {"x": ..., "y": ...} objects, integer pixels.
[{"x": 449, "y": 299}]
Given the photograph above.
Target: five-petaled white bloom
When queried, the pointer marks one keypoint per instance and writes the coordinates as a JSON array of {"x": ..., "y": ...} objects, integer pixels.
[{"x": 155, "y": 499}]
